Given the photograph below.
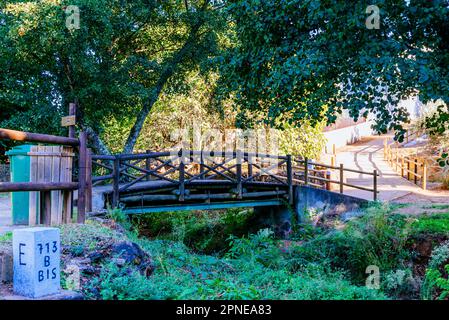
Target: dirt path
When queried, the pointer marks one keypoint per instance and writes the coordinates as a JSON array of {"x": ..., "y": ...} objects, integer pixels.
[{"x": 367, "y": 155}]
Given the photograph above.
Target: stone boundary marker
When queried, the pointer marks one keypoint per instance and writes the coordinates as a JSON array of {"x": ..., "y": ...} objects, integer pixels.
[
  {"x": 37, "y": 259},
  {"x": 33, "y": 267}
]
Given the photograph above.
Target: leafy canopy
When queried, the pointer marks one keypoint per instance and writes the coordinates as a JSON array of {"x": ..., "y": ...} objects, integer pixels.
[{"x": 313, "y": 57}]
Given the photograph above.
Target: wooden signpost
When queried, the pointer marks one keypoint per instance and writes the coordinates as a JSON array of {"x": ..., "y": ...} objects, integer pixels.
[{"x": 68, "y": 121}]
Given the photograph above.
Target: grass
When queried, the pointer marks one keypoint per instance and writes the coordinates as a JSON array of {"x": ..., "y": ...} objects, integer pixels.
[
  {"x": 7, "y": 237},
  {"x": 437, "y": 206},
  {"x": 437, "y": 223},
  {"x": 257, "y": 269},
  {"x": 330, "y": 264}
]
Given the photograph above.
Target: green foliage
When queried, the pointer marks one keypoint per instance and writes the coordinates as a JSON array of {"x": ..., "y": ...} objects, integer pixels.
[
  {"x": 117, "y": 215},
  {"x": 204, "y": 231},
  {"x": 309, "y": 58},
  {"x": 121, "y": 57},
  {"x": 437, "y": 223},
  {"x": 6, "y": 237},
  {"x": 436, "y": 282},
  {"x": 307, "y": 140},
  {"x": 247, "y": 273},
  {"x": 377, "y": 238}
]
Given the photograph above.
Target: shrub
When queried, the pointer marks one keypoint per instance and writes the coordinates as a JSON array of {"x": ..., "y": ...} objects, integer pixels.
[
  {"x": 399, "y": 283},
  {"x": 204, "y": 231},
  {"x": 436, "y": 283},
  {"x": 377, "y": 238},
  {"x": 255, "y": 268}
]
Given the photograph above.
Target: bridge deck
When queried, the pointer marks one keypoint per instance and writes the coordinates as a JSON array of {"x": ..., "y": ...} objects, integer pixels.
[{"x": 160, "y": 184}]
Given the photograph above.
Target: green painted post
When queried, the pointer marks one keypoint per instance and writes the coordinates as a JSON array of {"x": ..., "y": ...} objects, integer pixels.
[{"x": 20, "y": 172}]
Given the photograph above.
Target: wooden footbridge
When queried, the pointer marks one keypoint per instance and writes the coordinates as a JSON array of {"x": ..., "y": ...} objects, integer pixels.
[
  {"x": 179, "y": 180},
  {"x": 184, "y": 180}
]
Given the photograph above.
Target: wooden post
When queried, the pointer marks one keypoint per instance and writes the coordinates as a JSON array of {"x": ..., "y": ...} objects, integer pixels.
[
  {"x": 424, "y": 175},
  {"x": 250, "y": 166},
  {"x": 72, "y": 112},
  {"x": 415, "y": 170},
  {"x": 202, "y": 166},
  {"x": 82, "y": 177},
  {"x": 375, "y": 185},
  {"x": 239, "y": 177},
  {"x": 148, "y": 166},
  {"x": 402, "y": 166},
  {"x": 182, "y": 180},
  {"x": 306, "y": 171},
  {"x": 46, "y": 212},
  {"x": 328, "y": 178},
  {"x": 116, "y": 182},
  {"x": 408, "y": 169},
  {"x": 290, "y": 178},
  {"x": 89, "y": 181},
  {"x": 341, "y": 177}
]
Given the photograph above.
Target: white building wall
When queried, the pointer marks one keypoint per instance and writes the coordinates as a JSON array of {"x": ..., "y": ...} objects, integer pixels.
[{"x": 342, "y": 137}]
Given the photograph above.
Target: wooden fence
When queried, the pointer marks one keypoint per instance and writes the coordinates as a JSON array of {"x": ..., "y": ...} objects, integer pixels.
[
  {"x": 46, "y": 181},
  {"x": 413, "y": 168},
  {"x": 50, "y": 164}
]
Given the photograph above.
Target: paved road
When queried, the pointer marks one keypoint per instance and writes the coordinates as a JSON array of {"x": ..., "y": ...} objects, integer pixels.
[
  {"x": 367, "y": 155},
  {"x": 5, "y": 214}
]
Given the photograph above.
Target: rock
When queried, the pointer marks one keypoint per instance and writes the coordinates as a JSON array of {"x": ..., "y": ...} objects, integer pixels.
[
  {"x": 119, "y": 262},
  {"x": 131, "y": 253},
  {"x": 96, "y": 256}
]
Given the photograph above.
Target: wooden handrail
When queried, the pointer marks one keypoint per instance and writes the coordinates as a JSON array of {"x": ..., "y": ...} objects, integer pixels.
[
  {"x": 37, "y": 186},
  {"x": 37, "y": 137},
  {"x": 243, "y": 160},
  {"x": 403, "y": 164}
]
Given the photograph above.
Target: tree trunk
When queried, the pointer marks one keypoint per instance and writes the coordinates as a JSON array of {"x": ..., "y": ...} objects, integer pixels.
[
  {"x": 166, "y": 74},
  {"x": 95, "y": 140}
]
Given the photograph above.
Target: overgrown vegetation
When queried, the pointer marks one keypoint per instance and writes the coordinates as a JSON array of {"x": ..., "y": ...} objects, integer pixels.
[
  {"x": 255, "y": 268},
  {"x": 201, "y": 230},
  {"x": 319, "y": 263}
]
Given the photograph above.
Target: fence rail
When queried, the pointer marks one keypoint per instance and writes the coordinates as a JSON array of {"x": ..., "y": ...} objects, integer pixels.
[
  {"x": 83, "y": 186},
  {"x": 412, "y": 168},
  {"x": 185, "y": 169}
]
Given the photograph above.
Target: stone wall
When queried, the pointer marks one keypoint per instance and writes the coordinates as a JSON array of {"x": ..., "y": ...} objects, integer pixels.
[
  {"x": 309, "y": 199},
  {"x": 320, "y": 202},
  {"x": 4, "y": 173}
]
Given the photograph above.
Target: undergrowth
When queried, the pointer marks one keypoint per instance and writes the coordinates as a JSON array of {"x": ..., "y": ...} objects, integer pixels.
[{"x": 315, "y": 263}]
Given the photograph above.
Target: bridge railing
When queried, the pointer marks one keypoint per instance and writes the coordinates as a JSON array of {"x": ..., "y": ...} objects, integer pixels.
[{"x": 184, "y": 169}]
